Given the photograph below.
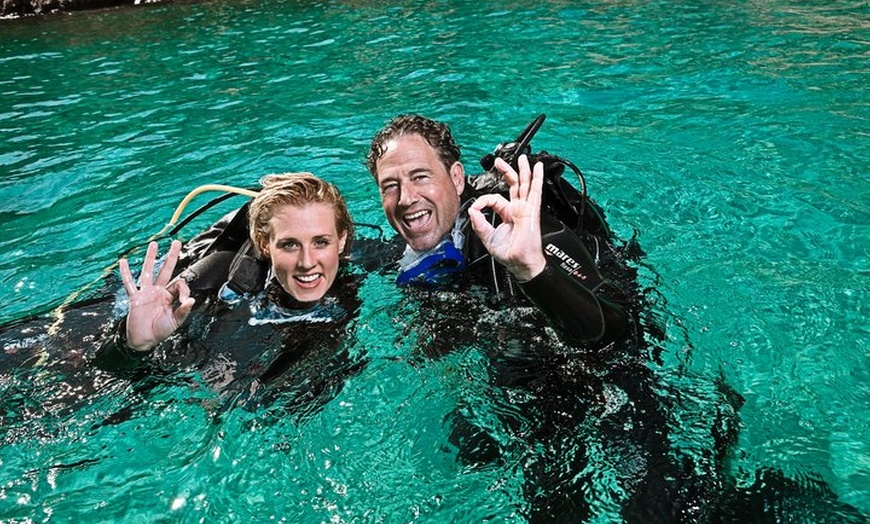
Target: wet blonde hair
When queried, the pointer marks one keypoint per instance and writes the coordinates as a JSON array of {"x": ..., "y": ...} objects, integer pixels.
[{"x": 295, "y": 189}]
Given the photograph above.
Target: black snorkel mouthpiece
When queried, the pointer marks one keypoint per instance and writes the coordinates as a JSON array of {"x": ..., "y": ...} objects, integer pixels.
[
  {"x": 510, "y": 151},
  {"x": 559, "y": 198}
]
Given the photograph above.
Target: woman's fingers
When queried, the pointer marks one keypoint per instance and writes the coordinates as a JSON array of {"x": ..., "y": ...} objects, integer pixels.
[
  {"x": 147, "y": 276},
  {"x": 127, "y": 277},
  {"x": 168, "y": 267}
]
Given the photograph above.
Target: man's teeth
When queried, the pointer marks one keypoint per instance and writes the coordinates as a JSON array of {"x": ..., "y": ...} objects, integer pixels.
[
  {"x": 415, "y": 216},
  {"x": 308, "y": 278}
]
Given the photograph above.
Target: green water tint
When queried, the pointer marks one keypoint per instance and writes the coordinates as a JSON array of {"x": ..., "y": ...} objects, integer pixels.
[{"x": 731, "y": 138}]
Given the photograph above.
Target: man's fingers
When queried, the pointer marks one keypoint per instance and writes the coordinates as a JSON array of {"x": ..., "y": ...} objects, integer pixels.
[
  {"x": 524, "y": 177},
  {"x": 537, "y": 187},
  {"x": 479, "y": 222},
  {"x": 510, "y": 177},
  {"x": 520, "y": 184},
  {"x": 494, "y": 201},
  {"x": 482, "y": 228}
]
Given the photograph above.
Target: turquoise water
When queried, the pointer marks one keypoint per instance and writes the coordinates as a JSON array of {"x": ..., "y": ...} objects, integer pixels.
[{"x": 733, "y": 138}]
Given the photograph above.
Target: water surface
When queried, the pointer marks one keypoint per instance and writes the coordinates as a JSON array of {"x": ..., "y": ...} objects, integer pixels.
[{"x": 731, "y": 138}]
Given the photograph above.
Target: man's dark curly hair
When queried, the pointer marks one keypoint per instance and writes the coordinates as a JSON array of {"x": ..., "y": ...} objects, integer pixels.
[{"x": 435, "y": 133}]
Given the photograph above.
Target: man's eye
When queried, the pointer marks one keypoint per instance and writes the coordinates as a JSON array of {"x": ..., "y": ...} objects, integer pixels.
[{"x": 386, "y": 188}]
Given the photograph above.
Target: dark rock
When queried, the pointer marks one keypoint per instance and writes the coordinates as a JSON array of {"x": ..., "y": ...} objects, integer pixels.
[{"x": 19, "y": 8}]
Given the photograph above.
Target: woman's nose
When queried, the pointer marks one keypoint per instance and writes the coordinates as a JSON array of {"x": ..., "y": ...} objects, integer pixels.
[{"x": 306, "y": 258}]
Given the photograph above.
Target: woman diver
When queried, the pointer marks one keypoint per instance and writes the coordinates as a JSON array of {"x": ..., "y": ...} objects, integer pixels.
[{"x": 272, "y": 309}]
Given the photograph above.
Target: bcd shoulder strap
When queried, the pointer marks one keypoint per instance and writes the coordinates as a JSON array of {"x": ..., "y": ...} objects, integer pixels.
[{"x": 224, "y": 254}]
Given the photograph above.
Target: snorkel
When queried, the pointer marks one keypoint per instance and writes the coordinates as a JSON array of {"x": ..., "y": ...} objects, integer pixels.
[
  {"x": 510, "y": 151},
  {"x": 559, "y": 198}
]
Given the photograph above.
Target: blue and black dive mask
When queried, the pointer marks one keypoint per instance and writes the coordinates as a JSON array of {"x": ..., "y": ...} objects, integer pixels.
[{"x": 431, "y": 267}]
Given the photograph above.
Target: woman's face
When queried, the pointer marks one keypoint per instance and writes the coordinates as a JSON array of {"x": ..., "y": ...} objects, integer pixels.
[{"x": 304, "y": 249}]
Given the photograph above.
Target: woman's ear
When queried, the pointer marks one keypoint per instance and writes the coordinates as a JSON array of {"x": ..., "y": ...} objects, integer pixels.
[
  {"x": 342, "y": 241},
  {"x": 263, "y": 248}
]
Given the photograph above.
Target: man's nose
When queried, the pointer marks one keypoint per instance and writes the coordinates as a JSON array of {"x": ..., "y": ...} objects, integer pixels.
[{"x": 407, "y": 194}]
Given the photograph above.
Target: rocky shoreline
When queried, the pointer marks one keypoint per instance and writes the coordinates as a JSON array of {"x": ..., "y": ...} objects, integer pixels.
[{"x": 20, "y": 8}]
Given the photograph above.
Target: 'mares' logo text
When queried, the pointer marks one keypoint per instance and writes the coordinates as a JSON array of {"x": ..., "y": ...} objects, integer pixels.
[{"x": 565, "y": 262}]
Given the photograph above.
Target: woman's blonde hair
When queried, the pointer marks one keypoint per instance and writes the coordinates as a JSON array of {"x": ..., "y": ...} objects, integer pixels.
[{"x": 295, "y": 189}]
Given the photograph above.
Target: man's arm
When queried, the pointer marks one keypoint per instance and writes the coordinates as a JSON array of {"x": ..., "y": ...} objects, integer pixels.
[
  {"x": 571, "y": 292},
  {"x": 564, "y": 284}
]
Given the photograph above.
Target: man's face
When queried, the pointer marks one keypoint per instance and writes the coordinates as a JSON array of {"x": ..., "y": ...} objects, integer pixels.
[{"x": 419, "y": 196}]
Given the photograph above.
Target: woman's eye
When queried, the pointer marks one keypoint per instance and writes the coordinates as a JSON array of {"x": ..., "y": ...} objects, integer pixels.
[
  {"x": 288, "y": 246},
  {"x": 322, "y": 242}
]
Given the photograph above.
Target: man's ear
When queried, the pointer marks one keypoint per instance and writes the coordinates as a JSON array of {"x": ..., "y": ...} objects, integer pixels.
[{"x": 457, "y": 175}]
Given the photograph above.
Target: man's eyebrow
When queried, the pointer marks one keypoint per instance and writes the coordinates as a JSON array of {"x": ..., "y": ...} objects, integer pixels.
[
  {"x": 419, "y": 170},
  {"x": 386, "y": 178},
  {"x": 412, "y": 172}
]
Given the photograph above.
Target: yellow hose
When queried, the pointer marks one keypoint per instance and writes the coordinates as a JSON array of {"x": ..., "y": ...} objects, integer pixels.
[
  {"x": 201, "y": 189},
  {"x": 58, "y": 312}
]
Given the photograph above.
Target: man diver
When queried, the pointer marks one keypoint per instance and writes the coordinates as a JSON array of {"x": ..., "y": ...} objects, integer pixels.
[
  {"x": 520, "y": 255},
  {"x": 427, "y": 200}
]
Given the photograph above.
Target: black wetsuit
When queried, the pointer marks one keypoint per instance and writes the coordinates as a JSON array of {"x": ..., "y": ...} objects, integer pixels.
[
  {"x": 565, "y": 415},
  {"x": 56, "y": 364},
  {"x": 566, "y": 366}
]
